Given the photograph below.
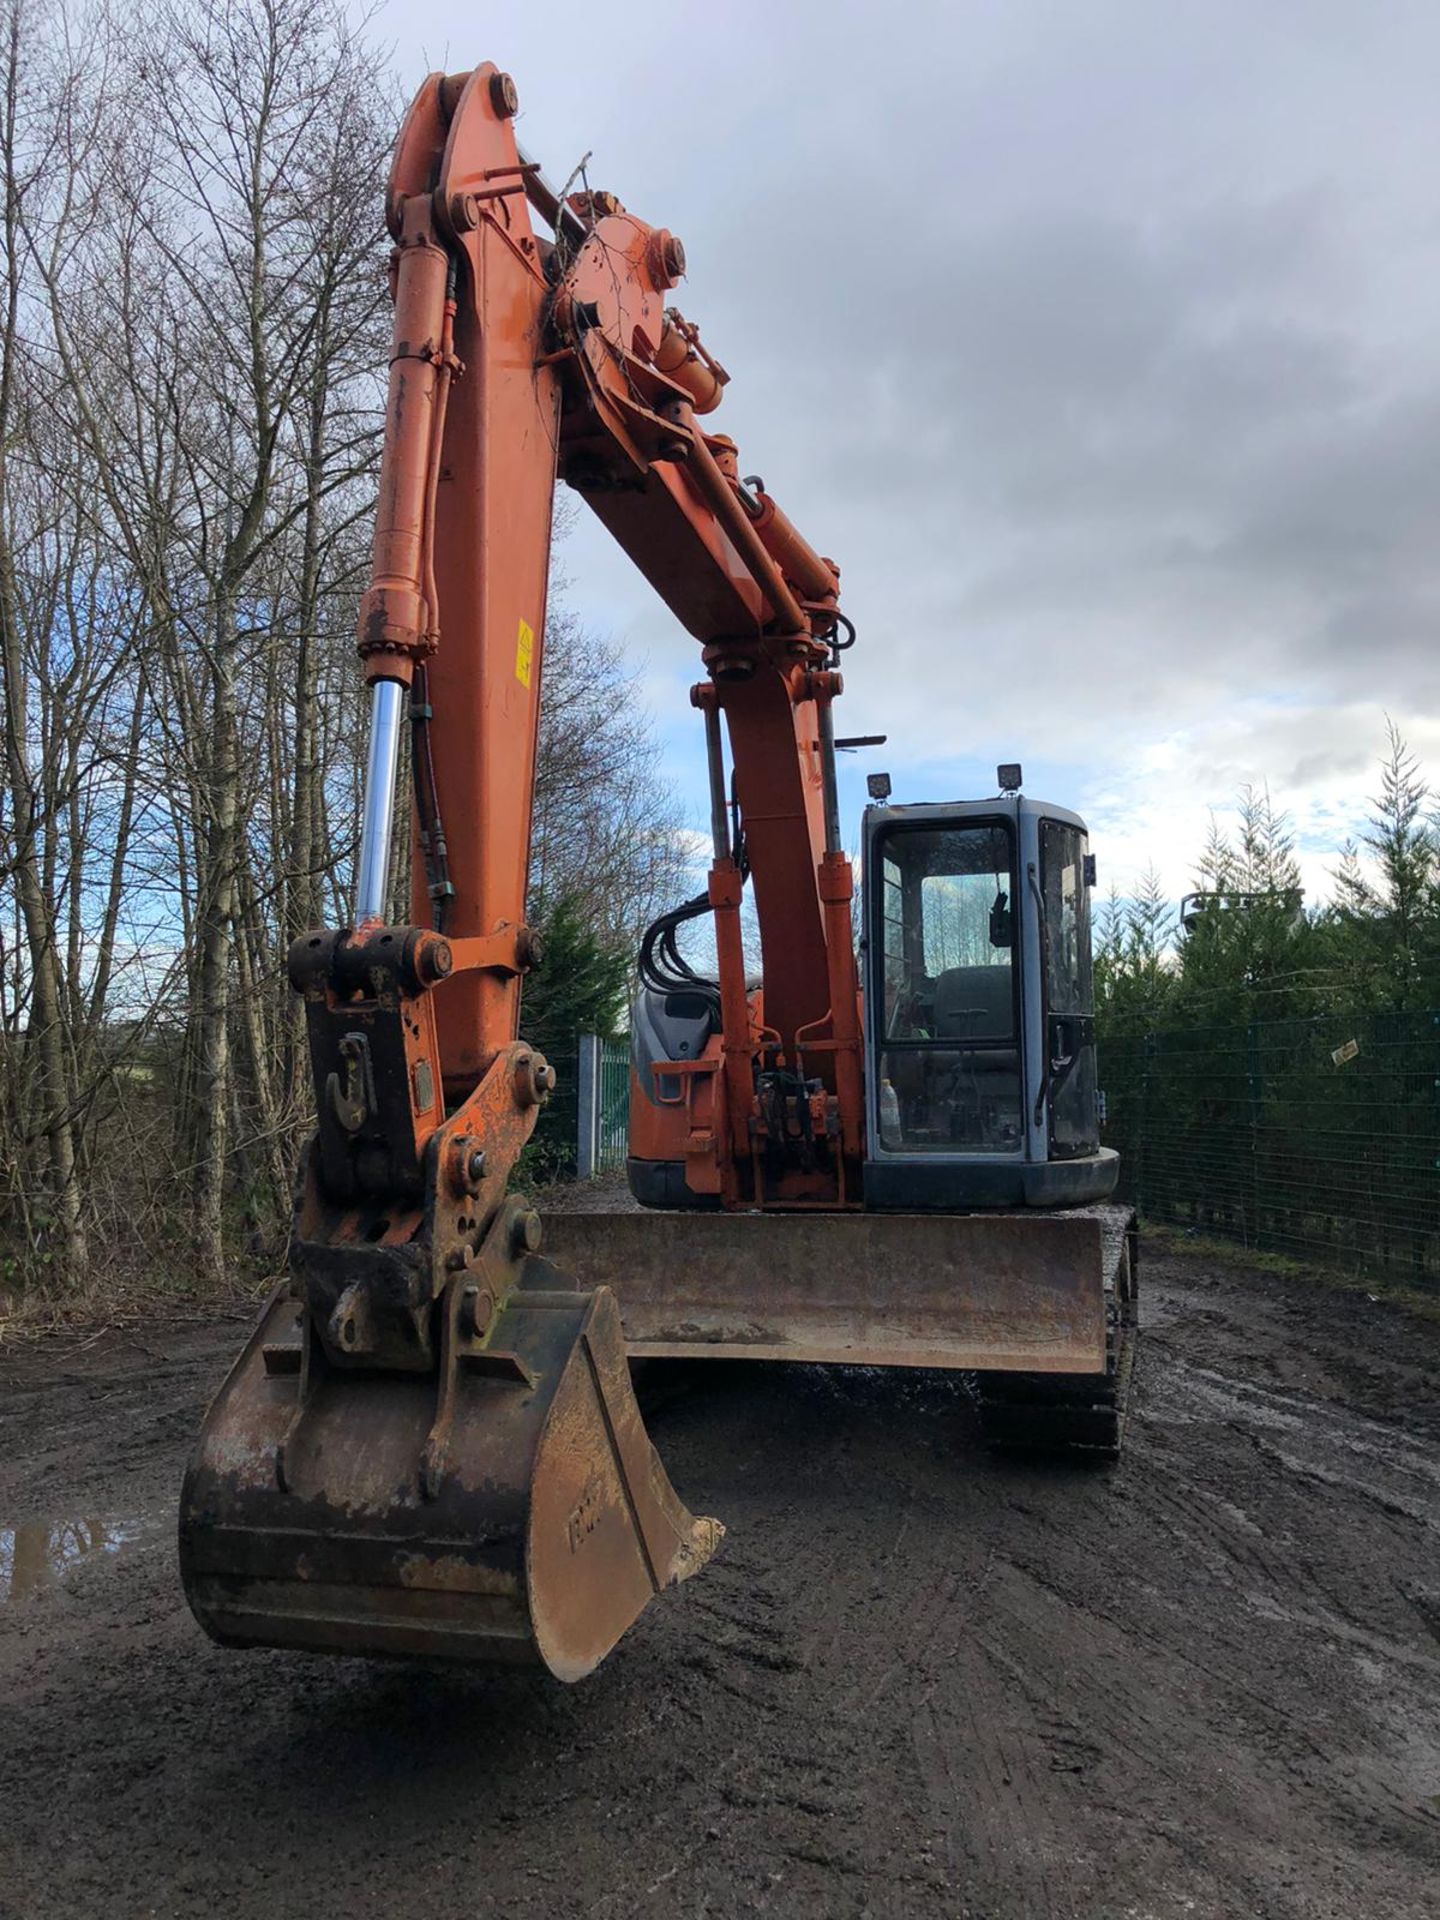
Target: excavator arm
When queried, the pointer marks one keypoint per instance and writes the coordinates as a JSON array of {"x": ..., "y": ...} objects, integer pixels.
[{"x": 430, "y": 1444}]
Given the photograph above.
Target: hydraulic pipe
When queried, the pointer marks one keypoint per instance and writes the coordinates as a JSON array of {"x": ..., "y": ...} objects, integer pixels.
[
  {"x": 387, "y": 700},
  {"x": 719, "y": 496},
  {"x": 547, "y": 202},
  {"x": 726, "y": 893},
  {"x": 837, "y": 886}
]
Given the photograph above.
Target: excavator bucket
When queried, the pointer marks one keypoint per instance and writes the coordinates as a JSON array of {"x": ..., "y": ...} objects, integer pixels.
[{"x": 520, "y": 1515}]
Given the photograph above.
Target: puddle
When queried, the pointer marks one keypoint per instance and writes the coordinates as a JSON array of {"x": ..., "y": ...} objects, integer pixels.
[{"x": 37, "y": 1555}]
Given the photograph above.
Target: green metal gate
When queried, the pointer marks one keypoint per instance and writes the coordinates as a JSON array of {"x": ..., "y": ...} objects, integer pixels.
[
  {"x": 602, "y": 1105},
  {"x": 613, "y": 1106}
]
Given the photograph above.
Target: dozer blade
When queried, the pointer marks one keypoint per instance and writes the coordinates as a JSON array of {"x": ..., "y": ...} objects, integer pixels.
[
  {"x": 979, "y": 1291},
  {"x": 354, "y": 1512}
]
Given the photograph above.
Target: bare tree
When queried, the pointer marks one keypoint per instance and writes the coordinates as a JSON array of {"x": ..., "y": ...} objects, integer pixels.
[
  {"x": 195, "y": 329},
  {"x": 30, "y": 588},
  {"x": 194, "y": 332},
  {"x": 605, "y": 826}
]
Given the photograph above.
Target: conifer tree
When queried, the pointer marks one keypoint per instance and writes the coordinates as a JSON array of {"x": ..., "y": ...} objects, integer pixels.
[{"x": 1389, "y": 911}]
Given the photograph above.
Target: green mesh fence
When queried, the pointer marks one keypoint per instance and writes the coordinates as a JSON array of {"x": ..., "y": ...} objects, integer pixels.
[
  {"x": 554, "y": 1150},
  {"x": 1318, "y": 1138}
]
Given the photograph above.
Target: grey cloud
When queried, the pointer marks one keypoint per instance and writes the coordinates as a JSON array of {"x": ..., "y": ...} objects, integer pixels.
[
  {"x": 1100, "y": 345},
  {"x": 1312, "y": 768}
]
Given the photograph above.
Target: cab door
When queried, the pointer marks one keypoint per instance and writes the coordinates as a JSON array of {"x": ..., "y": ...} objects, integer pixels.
[{"x": 1069, "y": 994}]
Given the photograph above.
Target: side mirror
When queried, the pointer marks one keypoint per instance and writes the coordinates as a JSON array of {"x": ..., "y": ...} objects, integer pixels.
[{"x": 1002, "y": 933}]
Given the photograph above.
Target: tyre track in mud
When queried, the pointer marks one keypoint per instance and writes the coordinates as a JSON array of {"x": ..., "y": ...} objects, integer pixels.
[{"x": 914, "y": 1681}]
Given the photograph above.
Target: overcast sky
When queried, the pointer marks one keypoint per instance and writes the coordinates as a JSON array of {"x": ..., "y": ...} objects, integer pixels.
[{"x": 1098, "y": 343}]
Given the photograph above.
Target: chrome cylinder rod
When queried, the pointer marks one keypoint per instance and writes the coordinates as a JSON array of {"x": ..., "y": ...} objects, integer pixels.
[
  {"x": 829, "y": 789},
  {"x": 372, "y": 874},
  {"x": 715, "y": 762}
]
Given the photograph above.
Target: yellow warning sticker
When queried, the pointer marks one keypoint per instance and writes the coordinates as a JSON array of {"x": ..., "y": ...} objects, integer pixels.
[{"x": 524, "y": 652}]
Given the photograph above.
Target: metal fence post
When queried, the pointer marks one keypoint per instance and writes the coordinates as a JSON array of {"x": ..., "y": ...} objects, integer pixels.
[
  {"x": 1255, "y": 1076},
  {"x": 587, "y": 1104},
  {"x": 1141, "y": 1131}
]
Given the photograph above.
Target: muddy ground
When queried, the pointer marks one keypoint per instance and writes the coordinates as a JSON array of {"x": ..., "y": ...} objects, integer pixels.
[{"x": 914, "y": 1681}]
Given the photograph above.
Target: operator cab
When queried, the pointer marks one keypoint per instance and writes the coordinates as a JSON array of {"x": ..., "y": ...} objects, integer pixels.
[{"x": 979, "y": 1008}]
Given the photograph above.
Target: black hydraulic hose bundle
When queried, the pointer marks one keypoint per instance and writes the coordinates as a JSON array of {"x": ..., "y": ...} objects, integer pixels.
[
  {"x": 427, "y": 801},
  {"x": 662, "y": 966}
]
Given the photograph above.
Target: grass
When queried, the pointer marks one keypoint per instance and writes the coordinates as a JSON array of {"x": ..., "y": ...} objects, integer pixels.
[
  {"x": 1423, "y": 1302},
  {"x": 113, "y": 1297},
  {"x": 137, "y": 1285}
]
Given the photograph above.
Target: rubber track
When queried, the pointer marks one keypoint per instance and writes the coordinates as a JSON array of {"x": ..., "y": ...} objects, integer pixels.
[{"x": 1077, "y": 1416}]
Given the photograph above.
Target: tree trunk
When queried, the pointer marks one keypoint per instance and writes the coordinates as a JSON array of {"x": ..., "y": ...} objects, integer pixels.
[
  {"x": 46, "y": 1036},
  {"x": 212, "y": 988}
]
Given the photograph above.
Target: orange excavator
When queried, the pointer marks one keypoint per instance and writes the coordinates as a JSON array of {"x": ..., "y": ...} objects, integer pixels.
[{"x": 431, "y": 1444}]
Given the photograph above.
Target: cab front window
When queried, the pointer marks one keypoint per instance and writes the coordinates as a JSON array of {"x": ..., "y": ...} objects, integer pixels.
[{"x": 948, "y": 989}]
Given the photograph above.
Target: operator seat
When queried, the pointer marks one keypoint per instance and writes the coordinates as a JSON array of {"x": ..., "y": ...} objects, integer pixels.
[{"x": 974, "y": 1003}]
